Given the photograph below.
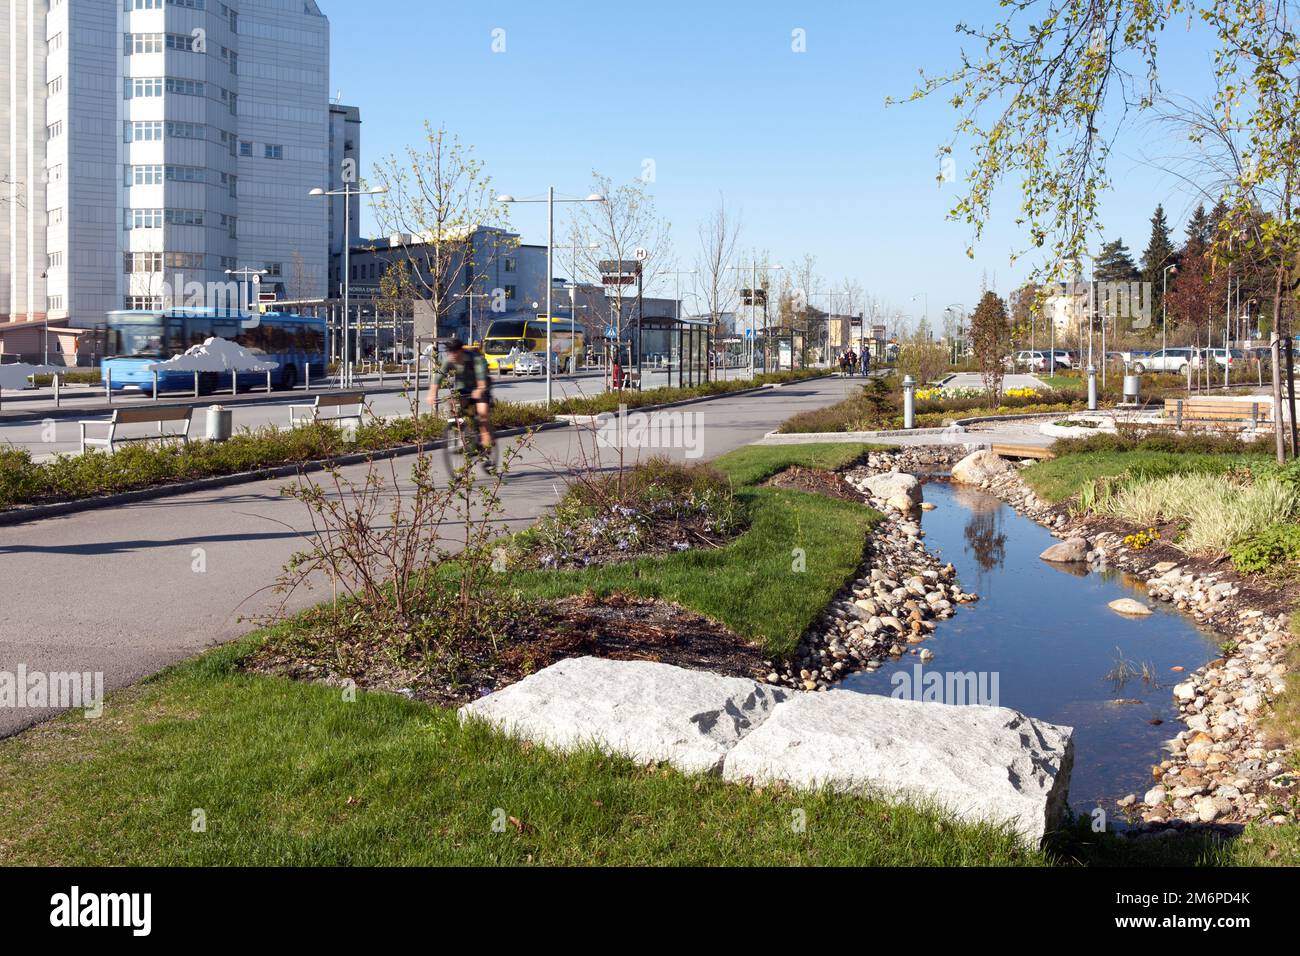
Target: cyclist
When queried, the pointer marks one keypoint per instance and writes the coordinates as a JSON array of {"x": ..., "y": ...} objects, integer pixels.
[{"x": 469, "y": 374}]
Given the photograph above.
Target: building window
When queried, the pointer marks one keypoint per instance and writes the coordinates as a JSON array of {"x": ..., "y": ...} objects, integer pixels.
[
  {"x": 143, "y": 5},
  {"x": 54, "y": 303},
  {"x": 143, "y": 131},
  {"x": 510, "y": 293},
  {"x": 188, "y": 4},
  {"x": 149, "y": 175},
  {"x": 143, "y": 86},
  {"x": 273, "y": 268},
  {"x": 55, "y": 216},
  {"x": 185, "y": 217},
  {"x": 184, "y": 260},
  {"x": 510, "y": 265},
  {"x": 184, "y": 87},
  {"x": 54, "y": 129},
  {"x": 234, "y": 186},
  {"x": 274, "y": 152},
  {"x": 54, "y": 87},
  {"x": 133, "y": 43},
  {"x": 181, "y": 41},
  {"x": 142, "y": 262},
  {"x": 143, "y": 303},
  {"x": 245, "y": 148},
  {"x": 56, "y": 173},
  {"x": 54, "y": 260},
  {"x": 186, "y": 130},
  {"x": 144, "y": 219},
  {"x": 55, "y": 42},
  {"x": 186, "y": 174}
]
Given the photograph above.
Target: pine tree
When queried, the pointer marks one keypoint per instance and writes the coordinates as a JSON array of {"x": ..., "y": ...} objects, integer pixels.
[
  {"x": 1159, "y": 255},
  {"x": 1114, "y": 264},
  {"x": 1198, "y": 229}
]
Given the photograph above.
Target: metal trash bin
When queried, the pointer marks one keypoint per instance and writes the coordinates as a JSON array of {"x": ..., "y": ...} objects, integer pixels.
[
  {"x": 1132, "y": 389},
  {"x": 220, "y": 423}
]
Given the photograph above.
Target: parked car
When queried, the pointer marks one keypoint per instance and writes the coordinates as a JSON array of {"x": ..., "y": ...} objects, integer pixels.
[
  {"x": 1229, "y": 357},
  {"x": 534, "y": 363},
  {"x": 1033, "y": 361},
  {"x": 1169, "y": 360}
]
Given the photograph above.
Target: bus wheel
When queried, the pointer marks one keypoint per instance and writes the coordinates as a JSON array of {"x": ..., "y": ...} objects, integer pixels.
[{"x": 289, "y": 378}]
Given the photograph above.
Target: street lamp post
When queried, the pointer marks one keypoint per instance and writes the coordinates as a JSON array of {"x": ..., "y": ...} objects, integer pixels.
[
  {"x": 1164, "y": 304},
  {"x": 347, "y": 192},
  {"x": 550, "y": 201},
  {"x": 753, "y": 305},
  {"x": 471, "y": 296}
]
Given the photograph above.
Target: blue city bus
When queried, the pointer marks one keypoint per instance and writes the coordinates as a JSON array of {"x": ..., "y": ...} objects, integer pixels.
[{"x": 134, "y": 340}]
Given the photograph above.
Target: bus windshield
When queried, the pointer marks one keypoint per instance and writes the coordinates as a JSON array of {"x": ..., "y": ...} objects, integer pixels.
[{"x": 137, "y": 340}]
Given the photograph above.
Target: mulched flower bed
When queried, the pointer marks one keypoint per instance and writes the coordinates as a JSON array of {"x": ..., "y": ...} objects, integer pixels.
[
  {"x": 817, "y": 481},
  {"x": 620, "y": 627}
]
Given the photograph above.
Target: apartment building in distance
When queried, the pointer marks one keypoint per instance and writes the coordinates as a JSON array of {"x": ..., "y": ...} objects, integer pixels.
[{"x": 154, "y": 146}]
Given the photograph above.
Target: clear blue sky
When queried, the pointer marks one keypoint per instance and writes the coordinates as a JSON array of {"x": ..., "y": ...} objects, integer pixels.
[{"x": 801, "y": 144}]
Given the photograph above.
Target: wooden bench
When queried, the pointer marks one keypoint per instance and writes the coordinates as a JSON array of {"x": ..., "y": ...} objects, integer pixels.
[
  {"x": 159, "y": 414},
  {"x": 1023, "y": 451},
  {"x": 1230, "y": 411},
  {"x": 335, "y": 401}
]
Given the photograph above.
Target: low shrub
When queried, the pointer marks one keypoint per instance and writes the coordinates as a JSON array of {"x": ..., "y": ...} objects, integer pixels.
[
  {"x": 1275, "y": 546},
  {"x": 1218, "y": 510},
  {"x": 1129, "y": 439},
  {"x": 657, "y": 506},
  {"x": 612, "y": 401}
]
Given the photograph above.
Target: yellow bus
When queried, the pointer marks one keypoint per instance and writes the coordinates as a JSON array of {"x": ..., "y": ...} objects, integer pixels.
[{"x": 510, "y": 337}]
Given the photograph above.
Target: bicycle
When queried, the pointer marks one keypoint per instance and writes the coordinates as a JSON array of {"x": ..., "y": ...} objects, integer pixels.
[{"x": 462, "y": 442}]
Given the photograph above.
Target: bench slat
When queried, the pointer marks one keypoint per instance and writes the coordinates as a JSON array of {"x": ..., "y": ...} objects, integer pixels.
[
  {"x": 333, "y": 399},
  {"x": 162, "y": 413}
]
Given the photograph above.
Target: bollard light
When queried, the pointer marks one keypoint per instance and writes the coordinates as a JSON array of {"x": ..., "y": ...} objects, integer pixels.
[
  {"x": 909, "y": 402},
  {"x": 1092, "y": 388}
]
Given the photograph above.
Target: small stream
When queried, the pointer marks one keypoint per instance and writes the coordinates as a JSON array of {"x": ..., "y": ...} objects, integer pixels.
[{"x": 1046, "y": 633}]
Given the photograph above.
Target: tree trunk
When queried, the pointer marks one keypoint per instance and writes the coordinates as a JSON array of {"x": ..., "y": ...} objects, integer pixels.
[
  {"x": 1290, "y": 390},
  {"x": 1275, "y": 350}
]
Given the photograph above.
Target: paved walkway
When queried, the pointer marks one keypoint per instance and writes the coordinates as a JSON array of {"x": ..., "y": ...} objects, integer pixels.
[{"x": 127, "y": 590}]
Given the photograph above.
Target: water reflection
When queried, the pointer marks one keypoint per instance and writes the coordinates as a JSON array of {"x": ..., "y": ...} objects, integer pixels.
[{"x": 1047, "y": 634}]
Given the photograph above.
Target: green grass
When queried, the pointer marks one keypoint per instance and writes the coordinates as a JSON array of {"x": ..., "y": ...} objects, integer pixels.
[
  {"x": 1062, "y": 478},
  {"x": 750, "y": 584},
  {"x": 291, "y": 774}
]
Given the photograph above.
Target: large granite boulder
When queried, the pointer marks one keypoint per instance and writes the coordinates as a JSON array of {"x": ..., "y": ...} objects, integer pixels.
[
  {"x": 980, "y": 466},
  {"x": 898, "y": 488},
  {"x": 1069, "y": 551},
  {"x": 640, "y": 709},
  {"x": 978, "y": 763}
]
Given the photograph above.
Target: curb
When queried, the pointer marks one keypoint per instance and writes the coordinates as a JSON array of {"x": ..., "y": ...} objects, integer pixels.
[{"x": 25, "y": 513}]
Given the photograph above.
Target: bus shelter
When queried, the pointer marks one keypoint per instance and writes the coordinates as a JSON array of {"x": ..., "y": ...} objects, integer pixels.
[
  {"x": 680, "y": 346},
  {"x": 783, "y": 347}
]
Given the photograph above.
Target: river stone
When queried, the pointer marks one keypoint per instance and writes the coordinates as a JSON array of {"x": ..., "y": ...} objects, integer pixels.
[
  {"x": 980, "y": 466},
  {"x": 1070, "y": 551},
  {"x": 979, "y": 763},
  {"x": 894, "y": 484},
  {"x": 1129, "y": 607},
  {"x": 640, "y": 709}
]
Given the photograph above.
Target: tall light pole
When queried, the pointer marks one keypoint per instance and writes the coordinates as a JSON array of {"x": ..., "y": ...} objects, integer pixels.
[
  {"x": 347, "y": 192},
  {"x": 961, "y": 329},
  {"x": 753, "y": 305},
  {"x": 550, "y": 201},
  {"x": 1164, "y": 304},
  {"x": 471, "y": 296}
]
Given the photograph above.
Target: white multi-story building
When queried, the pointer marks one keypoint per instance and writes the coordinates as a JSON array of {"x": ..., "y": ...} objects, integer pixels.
[{"x": 155, "y": 146}]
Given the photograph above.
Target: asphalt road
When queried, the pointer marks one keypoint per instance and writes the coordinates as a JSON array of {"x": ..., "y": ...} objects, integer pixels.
[
  {"x": 125, "y": 591},
  {"x": 26, "y": 427}
]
